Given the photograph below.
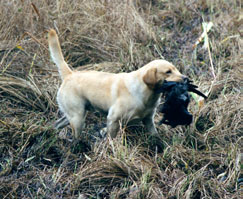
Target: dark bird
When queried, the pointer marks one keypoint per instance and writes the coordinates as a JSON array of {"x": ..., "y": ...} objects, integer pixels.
[{"x": 176, "y": 102}]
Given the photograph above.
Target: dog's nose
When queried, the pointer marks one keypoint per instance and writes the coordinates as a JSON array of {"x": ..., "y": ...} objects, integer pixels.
[{"x": 185, "y": 78}]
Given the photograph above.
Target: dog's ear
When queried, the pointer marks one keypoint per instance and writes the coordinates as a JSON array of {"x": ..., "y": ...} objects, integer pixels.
[{"x": 150, "y": 78}]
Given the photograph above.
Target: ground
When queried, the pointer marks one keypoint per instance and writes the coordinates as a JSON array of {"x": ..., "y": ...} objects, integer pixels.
[{"x": 199, "y": 161}]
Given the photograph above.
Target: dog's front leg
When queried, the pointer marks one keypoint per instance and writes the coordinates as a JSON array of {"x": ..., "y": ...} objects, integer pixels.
[
  {"x": 113, "y": 122},
  {"x": 112, "y": 127},
  {"x": 148, "y": 122}
]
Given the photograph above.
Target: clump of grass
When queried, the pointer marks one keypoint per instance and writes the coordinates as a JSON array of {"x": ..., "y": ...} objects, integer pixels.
[{"x": 199, "y": 161}]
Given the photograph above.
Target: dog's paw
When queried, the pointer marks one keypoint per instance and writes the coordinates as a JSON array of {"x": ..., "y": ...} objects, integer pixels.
[{"x": 103, "y": 132}]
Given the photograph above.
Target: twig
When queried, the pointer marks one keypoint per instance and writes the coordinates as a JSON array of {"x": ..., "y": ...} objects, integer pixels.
[
  {"x": 206, "y": 44},
  {"x": 204, "y": 35},
  {"x": 35, "y": 39}
]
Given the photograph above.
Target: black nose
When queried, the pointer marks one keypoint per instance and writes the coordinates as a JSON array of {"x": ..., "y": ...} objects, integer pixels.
[{"x": 185, "y": 78}]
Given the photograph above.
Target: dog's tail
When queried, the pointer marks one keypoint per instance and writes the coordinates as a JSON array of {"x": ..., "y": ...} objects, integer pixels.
[{"x": 56, "y": 54}]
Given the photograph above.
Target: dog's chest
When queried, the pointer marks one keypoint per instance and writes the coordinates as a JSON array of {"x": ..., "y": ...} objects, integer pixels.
[
  {"x": 145, "y": 107},
  {"x": 144, "y": 100}
]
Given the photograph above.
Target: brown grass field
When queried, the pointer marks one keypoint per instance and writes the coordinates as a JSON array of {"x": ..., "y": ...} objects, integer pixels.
[{"x": 199, "y": 161}]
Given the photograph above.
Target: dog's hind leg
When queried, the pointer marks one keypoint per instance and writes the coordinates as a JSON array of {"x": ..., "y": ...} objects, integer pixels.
[{"x": 77, "y": 123}]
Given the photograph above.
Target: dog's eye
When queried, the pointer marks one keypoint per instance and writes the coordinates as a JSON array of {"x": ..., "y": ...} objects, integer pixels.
[{"x": 168, "y": 72}]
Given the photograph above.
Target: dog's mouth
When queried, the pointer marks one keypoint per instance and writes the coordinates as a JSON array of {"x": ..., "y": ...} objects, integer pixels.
[
  {"x": 176, "y": 102},
  {"x": 184, "y": 85}
]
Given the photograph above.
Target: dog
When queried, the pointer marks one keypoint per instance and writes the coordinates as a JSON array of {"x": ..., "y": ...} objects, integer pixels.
[{"x": 123, "y": 96}]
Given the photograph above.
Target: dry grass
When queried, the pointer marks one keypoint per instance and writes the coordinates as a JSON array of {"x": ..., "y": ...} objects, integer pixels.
[{"x": 201, "y": 161}]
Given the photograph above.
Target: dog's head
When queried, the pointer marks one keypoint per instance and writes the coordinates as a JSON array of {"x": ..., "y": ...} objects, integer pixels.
[{"x": 156, "y": 72}]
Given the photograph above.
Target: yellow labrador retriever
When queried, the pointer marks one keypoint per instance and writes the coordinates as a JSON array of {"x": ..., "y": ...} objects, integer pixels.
[{"x": 124, "y": 96}]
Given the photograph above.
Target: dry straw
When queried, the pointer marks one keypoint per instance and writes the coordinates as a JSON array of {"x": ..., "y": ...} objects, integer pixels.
[{"x": 200, "y": 161}]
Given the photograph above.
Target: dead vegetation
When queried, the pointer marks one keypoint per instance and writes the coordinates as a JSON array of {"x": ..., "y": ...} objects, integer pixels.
[{"x": 200, "y": 161}]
